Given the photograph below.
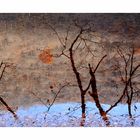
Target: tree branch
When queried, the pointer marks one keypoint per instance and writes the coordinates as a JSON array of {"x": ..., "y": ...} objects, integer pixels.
[
  {"x": 99, "y": 63},
  {"x": 8, "y": 108},
  {"x": 56, "y": 96}
]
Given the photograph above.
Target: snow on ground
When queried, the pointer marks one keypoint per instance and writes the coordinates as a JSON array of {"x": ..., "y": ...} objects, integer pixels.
[{"x": 69, "y": 115}]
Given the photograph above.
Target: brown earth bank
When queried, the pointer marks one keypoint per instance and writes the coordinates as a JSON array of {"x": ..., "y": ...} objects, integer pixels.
[{"x": 37, "y": 74}]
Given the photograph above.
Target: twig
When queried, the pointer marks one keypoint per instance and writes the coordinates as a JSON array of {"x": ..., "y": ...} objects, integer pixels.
[
  {"x": 56, "y": 96},
  {"x": 99, "y": 63},
  {"x": 8, "y": 108},
  {"x": 39, "y": 99}
]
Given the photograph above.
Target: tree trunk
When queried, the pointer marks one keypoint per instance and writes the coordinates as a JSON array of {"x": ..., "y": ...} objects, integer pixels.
[
  {"x": 77, "y": 75},
  {"x": 95, "y": 97},
  {"x": 130, "y": 99},
  {"x": 129, "y": 110},
  {"x": 83, "y": 105}
]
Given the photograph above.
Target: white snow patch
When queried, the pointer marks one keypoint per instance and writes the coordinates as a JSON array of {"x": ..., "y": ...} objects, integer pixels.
[{"x": 69, "y": 114}]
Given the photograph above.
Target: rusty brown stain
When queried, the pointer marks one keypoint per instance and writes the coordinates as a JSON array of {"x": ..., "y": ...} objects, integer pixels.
[
  {"x": 137, "y": 50},
  {"x": 46, "y": 56}
]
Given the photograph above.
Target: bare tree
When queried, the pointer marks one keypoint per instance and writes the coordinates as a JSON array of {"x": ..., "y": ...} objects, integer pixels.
[
  {"x": 3, "y": 66},
  {"x": 78, "y": 42},
  {"x": 127, "y": 72}
]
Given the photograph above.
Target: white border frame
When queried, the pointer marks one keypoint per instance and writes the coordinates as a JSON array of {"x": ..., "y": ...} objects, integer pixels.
[{"x": 69, "y": 6}]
